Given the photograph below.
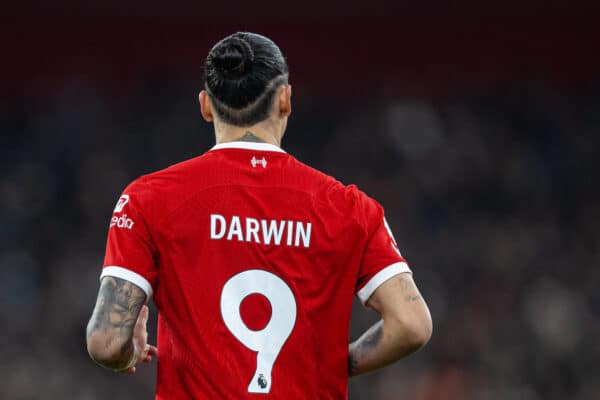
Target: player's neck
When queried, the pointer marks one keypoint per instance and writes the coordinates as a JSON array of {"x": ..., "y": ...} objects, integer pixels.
[
  {"x": 256, "y": 133},
  {"x": 248, "y": 136}
]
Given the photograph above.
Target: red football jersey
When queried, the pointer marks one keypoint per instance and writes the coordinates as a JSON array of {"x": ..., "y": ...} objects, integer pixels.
[{"x": 253, "y": 259}]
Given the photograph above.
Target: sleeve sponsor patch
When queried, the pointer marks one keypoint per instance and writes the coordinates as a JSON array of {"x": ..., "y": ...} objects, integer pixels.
[{"x": 124, "y": 199}]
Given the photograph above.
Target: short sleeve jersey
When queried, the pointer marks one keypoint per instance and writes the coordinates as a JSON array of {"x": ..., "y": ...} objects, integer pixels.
[{"x": 253, "y": 260}]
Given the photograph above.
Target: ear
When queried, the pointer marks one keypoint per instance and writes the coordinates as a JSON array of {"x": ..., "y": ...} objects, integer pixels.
[
  {"x": 285, "y": 100},
  {"x": 205, "y": 106}
]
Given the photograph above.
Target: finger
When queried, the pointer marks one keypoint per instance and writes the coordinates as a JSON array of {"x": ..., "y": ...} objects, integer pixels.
[
  {"x": 145, "y": 351},
  {"x": 130, "y": 370},
  {"x": 148, "y": 352},
  {"x": 140, "y": 324},
  {"x": 152, "y": 350},
  {"x": 143, "y": 317}
]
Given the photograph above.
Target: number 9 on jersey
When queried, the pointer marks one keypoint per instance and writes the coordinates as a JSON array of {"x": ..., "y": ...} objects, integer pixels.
[{"x": 267, "y": 342}]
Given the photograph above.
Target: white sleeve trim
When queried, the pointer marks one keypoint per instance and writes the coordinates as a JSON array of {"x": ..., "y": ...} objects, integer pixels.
[
  {"x": 128, "y": 275},
  {"x": 380, "y": 277}
]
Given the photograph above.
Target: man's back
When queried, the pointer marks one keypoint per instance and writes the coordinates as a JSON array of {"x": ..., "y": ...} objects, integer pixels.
[
  {"x": 253, "y": 256},
  {"x": 254, "y": 259}
]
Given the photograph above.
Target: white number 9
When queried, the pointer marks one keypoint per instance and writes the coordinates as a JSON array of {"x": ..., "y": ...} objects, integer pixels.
[{"x": 268, "y": 341}]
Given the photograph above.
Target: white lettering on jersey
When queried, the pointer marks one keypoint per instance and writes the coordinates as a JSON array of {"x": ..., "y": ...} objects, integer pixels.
[
  {"x": 290, "y": 232},
  {"x": 124, "y": 199},
  {"x": 251, "y": 230},
  {"x": 235, "y": 229},
  {"x": 271, "y": 230},
  {"x": 121, "y": 222},
  {"x": 214, "y": 218},
  {"x": 304, "y": 234}
]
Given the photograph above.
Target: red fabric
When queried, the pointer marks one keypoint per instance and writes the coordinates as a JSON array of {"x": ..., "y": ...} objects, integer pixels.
[{"x": 170, "y": 245}]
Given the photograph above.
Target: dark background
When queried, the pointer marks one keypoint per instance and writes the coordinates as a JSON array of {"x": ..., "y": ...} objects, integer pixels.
[{"x": 476, "y": 125}]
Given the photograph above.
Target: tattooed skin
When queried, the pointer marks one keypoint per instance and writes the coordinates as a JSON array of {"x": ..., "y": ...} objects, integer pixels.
[
  {"x": 409, "y": 297},
  {"x": 117, "y": 308},
  {"x": 249, "y": 137},
  {"x": 369, "y": 340},
  {"x": 365, "y": 354}
]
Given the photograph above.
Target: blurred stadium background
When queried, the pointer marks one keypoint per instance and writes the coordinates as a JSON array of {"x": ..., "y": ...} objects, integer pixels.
[{"x": 475, "y": 124}]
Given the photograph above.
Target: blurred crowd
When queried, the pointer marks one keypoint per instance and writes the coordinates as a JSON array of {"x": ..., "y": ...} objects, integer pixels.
[{"x": 493, "y": 199}]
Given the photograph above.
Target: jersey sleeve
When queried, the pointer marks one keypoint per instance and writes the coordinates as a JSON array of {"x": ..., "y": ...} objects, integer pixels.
[
  {"x": 381, "y": 257},
  {"x": 130, "y": 250}
]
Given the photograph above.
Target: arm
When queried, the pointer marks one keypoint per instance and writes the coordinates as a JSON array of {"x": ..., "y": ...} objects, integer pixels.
[
  {"x": 405, "y": 326},
  {"x": 116, "y": 333}
]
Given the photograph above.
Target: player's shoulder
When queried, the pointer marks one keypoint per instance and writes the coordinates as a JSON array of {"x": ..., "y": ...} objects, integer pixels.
[
  {"x": 175, "y": 173},
  {"x": 162, "y": 189},
  {"x": 318, "y": 181},
  {"x": 347, "y": 198},
  {"x": 175, "y": 176}
]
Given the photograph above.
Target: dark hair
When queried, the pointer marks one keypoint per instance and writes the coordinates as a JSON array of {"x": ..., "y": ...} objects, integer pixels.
[{"x": 242, "y": 73}]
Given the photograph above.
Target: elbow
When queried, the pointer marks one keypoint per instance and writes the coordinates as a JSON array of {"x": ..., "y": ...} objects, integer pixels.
[
  {"x": 422, "y": 331},
  {"x": 415, "y": 329}
]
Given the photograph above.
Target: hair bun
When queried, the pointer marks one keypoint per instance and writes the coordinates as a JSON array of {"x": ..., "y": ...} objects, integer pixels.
[
  {"x": 242, "y": 73},
  {"x": 232, "y": 56}
]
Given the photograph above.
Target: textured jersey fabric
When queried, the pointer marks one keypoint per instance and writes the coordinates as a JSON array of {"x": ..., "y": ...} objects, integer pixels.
[{"x": 252, "y": 259}]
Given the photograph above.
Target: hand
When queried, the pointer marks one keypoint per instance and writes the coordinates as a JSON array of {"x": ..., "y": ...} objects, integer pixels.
[{"x": 143, "y": 351}]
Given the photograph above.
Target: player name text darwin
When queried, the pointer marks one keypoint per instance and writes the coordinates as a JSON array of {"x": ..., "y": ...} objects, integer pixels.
[{"x": 266, "y": 231}]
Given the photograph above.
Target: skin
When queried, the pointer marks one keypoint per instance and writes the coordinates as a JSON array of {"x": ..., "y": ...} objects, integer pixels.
[
  {"x": 404, "y": 328},
  {"x": 270, "y": 130},
  {"x": 117, "y": 337}
]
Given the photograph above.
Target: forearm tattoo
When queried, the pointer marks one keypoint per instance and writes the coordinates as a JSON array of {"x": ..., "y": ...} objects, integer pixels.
[
  {"x": 363, "y": 349},
  {"x": 117, "y": 308},
  {"x": 364, "y": 345}
]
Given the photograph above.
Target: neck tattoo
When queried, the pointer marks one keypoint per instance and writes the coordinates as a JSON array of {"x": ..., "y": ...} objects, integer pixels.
[{"x": 249, "y": 137}]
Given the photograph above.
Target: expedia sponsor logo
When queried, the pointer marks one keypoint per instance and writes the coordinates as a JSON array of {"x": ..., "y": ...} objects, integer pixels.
[
  {"x": 124, "y": 199},
  {"x": 121, "y": 222}
]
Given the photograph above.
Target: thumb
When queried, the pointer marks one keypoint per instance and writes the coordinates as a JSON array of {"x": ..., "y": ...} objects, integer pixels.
[{"x": 143, "y": 317}]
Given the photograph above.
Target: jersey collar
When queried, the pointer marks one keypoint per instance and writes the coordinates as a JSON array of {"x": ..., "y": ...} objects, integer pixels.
[{"x": 248, "y": 146}]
